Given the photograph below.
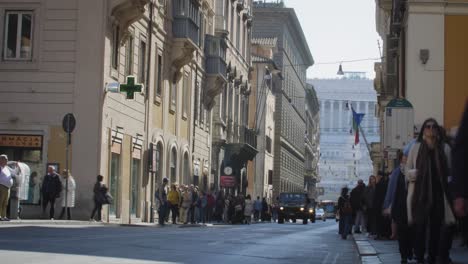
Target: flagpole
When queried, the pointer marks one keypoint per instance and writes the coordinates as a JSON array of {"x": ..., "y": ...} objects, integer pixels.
[{"x": 362, "y": 132}]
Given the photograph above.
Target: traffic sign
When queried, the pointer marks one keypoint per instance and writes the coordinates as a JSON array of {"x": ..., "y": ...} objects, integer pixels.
[{"x": 69, "y": 123}]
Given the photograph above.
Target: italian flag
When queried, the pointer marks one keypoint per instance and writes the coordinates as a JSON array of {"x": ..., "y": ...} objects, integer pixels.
[{"x": 357, "y": 119}]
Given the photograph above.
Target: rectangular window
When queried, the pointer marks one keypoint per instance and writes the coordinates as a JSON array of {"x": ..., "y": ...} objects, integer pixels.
[
  {"x": 202, "y": 103},
  {"x": 197, "y": 96},
  {"x": 231, "y": 33},
  {"x": 142, "y": 62},
  {"x": 268, "y": 144},
  {"x": 224, "y": 105},
  {"x": 270, "y": 177},
  {"x": 238, "y": 35},
  {"x": 229, "y": 104},
  {"x": 129, "y": 57},
  {"x": 18, "y": 40},
  {"x": 115, "y": 48},
  {"x": 159, "y": 76},
  {"x": 173, "y": 96},
  {"x": 186, "y": 95}
]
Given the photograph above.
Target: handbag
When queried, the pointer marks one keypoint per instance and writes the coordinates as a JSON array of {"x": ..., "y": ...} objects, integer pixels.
[{"x": 108, "y": 198}]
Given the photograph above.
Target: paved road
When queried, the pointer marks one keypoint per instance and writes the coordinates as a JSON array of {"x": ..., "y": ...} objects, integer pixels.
[{"x": 260, "y": 243}]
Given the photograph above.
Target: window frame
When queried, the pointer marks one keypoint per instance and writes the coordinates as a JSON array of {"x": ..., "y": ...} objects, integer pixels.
[
  {"x": 142, "y": 58},
  {"x": 158, "y": 91},
  {"x": 129, "y": 56},
  {"x": 185, "y": 95},
  {"x": 33, "y": 62},
  {"x": 20, "y": 14}
]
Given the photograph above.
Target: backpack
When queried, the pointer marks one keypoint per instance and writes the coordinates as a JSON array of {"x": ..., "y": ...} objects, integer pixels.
[{"x": 347, "y": 209}]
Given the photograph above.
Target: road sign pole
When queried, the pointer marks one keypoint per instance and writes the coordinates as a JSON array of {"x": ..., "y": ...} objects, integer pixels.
[
  {"x": 68, "y": 174},
  {"x": 68, "y": 123}
]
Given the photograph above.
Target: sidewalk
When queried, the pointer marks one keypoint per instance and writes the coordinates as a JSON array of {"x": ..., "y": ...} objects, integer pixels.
[{"x": 386, "y": 251}]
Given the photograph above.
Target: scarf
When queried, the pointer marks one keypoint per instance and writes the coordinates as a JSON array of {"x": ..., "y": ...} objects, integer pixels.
[{"x": 422, "y": 201}]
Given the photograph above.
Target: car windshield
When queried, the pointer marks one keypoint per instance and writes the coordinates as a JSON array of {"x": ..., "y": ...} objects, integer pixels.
[
  {"x": 292, "y": 197},
  {"x": 320, "y": 211}
]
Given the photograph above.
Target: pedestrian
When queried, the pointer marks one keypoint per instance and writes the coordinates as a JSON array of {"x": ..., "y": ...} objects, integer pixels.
[
  {"x": 265, "y": 210},
  {"x": 210, "y": 206},
  {"x": 371, "y": 211},
  {"x": 219, "y": 211},
  {"x": 6, "y": 181},
  {"x": 202, "y": 204},
  {"x": 99, "y": 191},
  {"x": 460, "y": 167},
  {"x": 346, "y": 211},
  {"x": 460, "y": 175},
  {"x": 395, "y": 205},
  {"x": 69, "y": 193},
  {"x": 51, "y": 189},
  {"x": 248, "y": 209},
  {"x": 428, "y": 206},
  {"x": 162, "y": 199},
  {"x": 383, "y": 222},
  {"x": 357, "y": 202},
  {"x": 173, "y": 202},
  {"x": 227, "y": 205},
  {"x": 257, "y": 208},
  {"x": 390, "y": 194},
  {"x": 185, "y": 204},
  {"x": 193, "y": 208},
  {"x": 275, "y": 209}
]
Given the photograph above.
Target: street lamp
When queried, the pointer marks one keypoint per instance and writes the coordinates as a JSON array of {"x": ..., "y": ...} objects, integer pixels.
[{"x": 340, "y": 70}]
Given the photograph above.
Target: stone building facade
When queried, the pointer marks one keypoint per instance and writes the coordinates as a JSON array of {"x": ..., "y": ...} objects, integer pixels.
[{"x": 293, "y": 58}]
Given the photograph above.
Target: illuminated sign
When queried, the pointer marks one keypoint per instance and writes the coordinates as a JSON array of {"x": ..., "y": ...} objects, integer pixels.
[{"x": 21, "y": 141}]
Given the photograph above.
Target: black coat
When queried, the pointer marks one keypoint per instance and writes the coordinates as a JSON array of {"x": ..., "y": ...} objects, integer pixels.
[
  {"x": 51, "y": 186},
  {"x": 460, "y": 159},
  {"x": 380, "y": 192},
  {"x": 399, "y": 208},
  {"x": 357, "y": 197}
]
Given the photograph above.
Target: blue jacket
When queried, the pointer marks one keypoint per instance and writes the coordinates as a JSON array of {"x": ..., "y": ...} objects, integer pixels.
[{"x": 392, "y": 184}]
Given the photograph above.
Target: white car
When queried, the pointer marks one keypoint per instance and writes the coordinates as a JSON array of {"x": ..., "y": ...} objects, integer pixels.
[{"x": 320, "y": 214}]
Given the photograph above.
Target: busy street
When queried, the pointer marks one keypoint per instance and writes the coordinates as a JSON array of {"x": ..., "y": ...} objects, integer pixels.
[{"x": 267, "y": 243}]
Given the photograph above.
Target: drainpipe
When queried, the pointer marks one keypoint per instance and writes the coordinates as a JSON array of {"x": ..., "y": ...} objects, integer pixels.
[{"x": 147, "y": 122}]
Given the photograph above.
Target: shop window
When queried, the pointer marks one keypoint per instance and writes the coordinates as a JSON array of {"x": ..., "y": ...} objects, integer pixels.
[
  {"x": 135, "y": 186},
  {"x": 114, "y": 183}
]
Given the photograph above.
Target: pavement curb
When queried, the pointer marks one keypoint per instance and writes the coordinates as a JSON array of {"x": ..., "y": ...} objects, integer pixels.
[{"x": 367, "y": 253}]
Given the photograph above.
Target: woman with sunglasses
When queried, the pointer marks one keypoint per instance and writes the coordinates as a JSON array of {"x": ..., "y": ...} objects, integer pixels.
[{"x": 427, "y": 173}]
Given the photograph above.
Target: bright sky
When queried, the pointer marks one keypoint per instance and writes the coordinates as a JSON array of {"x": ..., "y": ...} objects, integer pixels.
[{"x": 338, "y": 30}]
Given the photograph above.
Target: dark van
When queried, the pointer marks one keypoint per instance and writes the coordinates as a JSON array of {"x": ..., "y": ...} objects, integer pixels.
[{"x": 295, "y": 206}]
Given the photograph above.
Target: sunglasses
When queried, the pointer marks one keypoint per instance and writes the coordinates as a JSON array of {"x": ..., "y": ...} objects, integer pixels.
[{"x": 430, "y": 126}]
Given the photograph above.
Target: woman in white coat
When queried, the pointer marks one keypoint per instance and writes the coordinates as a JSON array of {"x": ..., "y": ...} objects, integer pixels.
[{"x": 68, "y": 196}]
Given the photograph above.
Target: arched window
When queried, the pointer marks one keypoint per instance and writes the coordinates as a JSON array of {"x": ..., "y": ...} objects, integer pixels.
[
  {"x": 173, "y": 165},
  {"x": 186, "y": 171}
]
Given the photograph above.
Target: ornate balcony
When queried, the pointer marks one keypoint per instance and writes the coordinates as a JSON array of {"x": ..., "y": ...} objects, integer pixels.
[
  {"x": 125, "y": 13},
  {"x": 215, "y": 67},
  {"x": 186, "y": 33}
]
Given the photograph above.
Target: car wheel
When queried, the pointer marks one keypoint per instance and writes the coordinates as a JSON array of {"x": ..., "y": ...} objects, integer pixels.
[
  {"x": 304, "y": 221},
  {"x": 294, "y": 220},
  {"x": 280, "y": 220}
]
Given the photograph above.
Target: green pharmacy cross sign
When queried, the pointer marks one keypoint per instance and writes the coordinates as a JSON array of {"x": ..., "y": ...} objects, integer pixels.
[{"x": 131, "y": 87}]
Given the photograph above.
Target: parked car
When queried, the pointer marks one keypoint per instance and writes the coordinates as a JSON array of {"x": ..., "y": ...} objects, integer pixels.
[
  {"x": 320, "y": 214},
  {"x": 295, "y": 206}
]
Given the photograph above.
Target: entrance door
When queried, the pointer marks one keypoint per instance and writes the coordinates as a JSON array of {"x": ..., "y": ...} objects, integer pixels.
[
  {"x": 135, "y": 187},
  {"x": 114, "y": 185}
]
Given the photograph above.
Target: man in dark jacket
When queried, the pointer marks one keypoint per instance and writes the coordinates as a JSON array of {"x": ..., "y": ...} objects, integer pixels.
[
  {"x": 383, "y": 223},
  {"x": 460, "y": 167},
  {"x": 357, "y": 202},
  {"x": 51, "y": 188}
]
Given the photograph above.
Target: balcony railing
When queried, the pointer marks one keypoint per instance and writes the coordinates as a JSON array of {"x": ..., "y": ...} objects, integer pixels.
[
  {"x": 248, "y": 136},
  {"x": 184, "y": 27},
  {"x": 216, "y": 65}
]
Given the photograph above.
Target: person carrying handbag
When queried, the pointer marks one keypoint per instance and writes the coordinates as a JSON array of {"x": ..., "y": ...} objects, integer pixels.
[{"x": 100, "y": 191}]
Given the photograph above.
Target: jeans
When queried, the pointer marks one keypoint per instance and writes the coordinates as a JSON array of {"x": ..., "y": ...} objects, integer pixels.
[
  {"x": 97, "y": 209},
  {"x": 174, "y": 212},
  {"x": 346, "y": 225},
  {"x": 359, "y": 221},
  {"x": 162, "y": 213},
  {"x": 68, "y": 209},
  {"x": 201, "y": 214},
  {"x": 45, "y": 201}
]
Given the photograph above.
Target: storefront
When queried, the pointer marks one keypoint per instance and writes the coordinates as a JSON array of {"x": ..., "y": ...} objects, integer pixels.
[{"x": 29, "y": 150}]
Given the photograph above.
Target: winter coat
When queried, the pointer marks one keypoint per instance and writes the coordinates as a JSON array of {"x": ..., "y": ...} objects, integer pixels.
[
  {"x": 71, "y": 192},
  {"x": 411, "y": 177},
  {"x": 100, "y": 190},
  {"x": 51, "y": 186},
  {"x": 460, "y": 159},
  {"x": 369, "y": 194},
  {"x": 258, "y": 205},
  {"x": 248, "y": 209},
  {"x": 398, "y": 208},
  {"x": 357, "y": 198},
  {"x": 390, "y": 195}
]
